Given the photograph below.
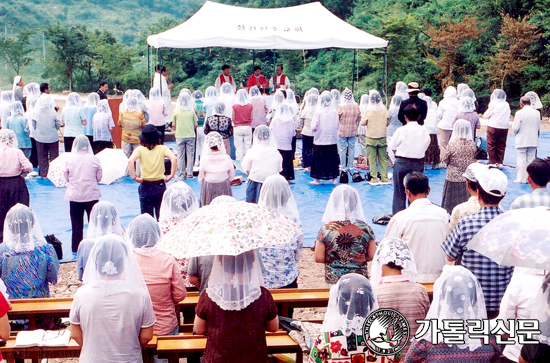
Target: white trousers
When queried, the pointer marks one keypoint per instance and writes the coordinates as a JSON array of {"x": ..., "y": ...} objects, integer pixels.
[
  {"x": 242, "y": 137},
  {"x": 525, "y": 156}
]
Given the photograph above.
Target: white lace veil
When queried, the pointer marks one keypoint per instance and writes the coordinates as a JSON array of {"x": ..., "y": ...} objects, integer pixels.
[
  {"x": 219, "y": 109},
  {"x": 460, "y": 88},
  {"x": 221, "y": 199},
  {"x": 22, "y": 232},
  {"x": 210, "y": 98},
  {"x": 535, "y": 100},
  {"x": 462, "y": 129},
  {"x": 313, "y": 91},
  {"x": 542, "y": 312},
  {"x": 375, "y": 101},
  {"x": 344, "y": 204},
  {"x": 254, "y": 92},
  {"x": 178, "y": 202},
  {"x": 467, "y": 104},
  {"x": 154, "y": 93},
  {"x": 16, "y": 108},
  {"x": 144, "y": 233},
  {"x": 45, "y": 101},
  {"x": 103, "y": 220},
  {"x": 284, "y": 113},
  {"x": 291, "y": 100},
  {"x": 103, "y": 106},
  {"x": 468, "y": 92},
  {"x": 82, "y": 143},
  {"x": 347, "y": 98},
  {"x": 74, "y": 100},
  {"x": 363, "y": 103},
  {"x": 335, "y": 97},
  {"x": 397, "y": 252},
  {"x": 112, "y": 267},
  {"x": 8, "y": 138},
  {"x": 498, "y": 95},
  {"x": 325, "y": 101},
  {"x": 450, "y": 93},
  {"x": 457, "y": 295},
  {"x": 185, "y": 102},
  {"x": 185, "y": 91},
  {"x": 263, "y": 137},
  {"x": 242, "y": 97},
  {"x": 7, "y": 97},
  {"x": 310, "y": 103},
  {"x": 395, "y": 104},
  {"x": 351, "y": 300},
  {"x": 278, "y": 99},
  {"x": 276, "y": 195},
  {"x": 92, "y": 100},
  {"x": 235, "y": 281},
  {"x": 400, "y": 87},
  {"x": 131, "y": 104},
  {"x": 197, "y": 95}
]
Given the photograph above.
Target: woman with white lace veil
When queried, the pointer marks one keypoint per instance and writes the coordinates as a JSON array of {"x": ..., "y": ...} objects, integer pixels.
[
  {"x": 242, "y": 121},
  {"x": 89, "y": 109},
  {"x": 83, "y": 173},
  {"x": 349, "y": 118},
  {"x": 535, "y": 100},
  {"x": 283, "y": 128},
  {"x": 132, "y": 122},
  {"x": 220, "y": 123},
  {"x": 457, "y": 295},
  {"x": 160, "y": 272},
  {"x": 45, "y": 124},
  {"x": 393, "y": 277},
  {"x": 227, "y": 96},
  {"x": 27, "y": 263},
  {"x": 345, "y": 243},
  {"x": 362, "y": 129},
  {"x": 325, "y": 163},
  {"x": 468, "y": 112},
  {"x": 259, "y": 106},
  {"x": 376, "y": 119},
  {"x": 351, "y": 300},
  {"x": 236, "y": 310},
  {"x": 178, "y": 202},
  {"x": 157, "y": 111},
  {"x": 305, "y": 118},
  {"x": 5, "y": 102},
  {"x": 210, "y": 98},
  {"x": 449, "y": 106},
  {"x": 433, "y": 153},
  {"x": 498, "y": 115},
  {"x": 278, "y": 99},
  {"x": 74, "y": 118},
  {"x": 103, "y": 220},
  {"x": 336, "y": 98},
  {"x": 261, "y": 161},
  {"x": 281, "y": 262},
  {"x": 460, "y": 153},
  {"x": 401, "y": 90},
  {"x": 216, "y": 170},
  {"x": 115, "y": 290}
]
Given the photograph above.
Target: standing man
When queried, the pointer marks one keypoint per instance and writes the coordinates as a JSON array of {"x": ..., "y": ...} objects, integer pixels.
[
  {"x": 538, "y": 176},
  {"x": 102, "y": 91},
  {"x": 18, "y": 88},
  {"x": 409, "y": 144},
  {"x": 526, "y": 128},
  {"x": 279, "y": 80},
  {"x": 423, "y": 226},
  {"x": 161, "y": 82},
  {"x": 225, "y": 77},
  {"x": 413, "y": 89},
  {"x": 256, "y": 79},
  {"x": 493, "y": 278}
]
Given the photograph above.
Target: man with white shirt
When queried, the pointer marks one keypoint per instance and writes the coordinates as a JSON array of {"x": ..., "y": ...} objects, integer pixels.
[
  {"x": 423, "y": 226},
  {"x": 279, "y": 80},
  {"x": 526, "y": 128},
  {"x": 225, "y": 77},
  {"x": 409, "y": 144}
]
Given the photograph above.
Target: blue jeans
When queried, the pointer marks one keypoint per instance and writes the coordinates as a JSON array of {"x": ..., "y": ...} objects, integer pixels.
[
  {"x": 346, "y": 145},
  {"x": 253, "y": 191}
]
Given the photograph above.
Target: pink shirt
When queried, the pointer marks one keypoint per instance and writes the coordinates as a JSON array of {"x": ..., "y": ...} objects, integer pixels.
[
  {"x": 157, "y": 111},
  {"x": 243, "y": 115},
  {"x": 216, "y": 167},
  {"x": 260, "y": 112},
  {"x": 83, "y": 173},
  {"x": 13, "y": 162},
  {"x": 166, "y": 288}
]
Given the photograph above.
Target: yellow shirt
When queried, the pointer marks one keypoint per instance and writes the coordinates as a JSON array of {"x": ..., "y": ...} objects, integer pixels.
[
  {"x": 151, "y": 162},
  {"x": 376, "y": 122}
]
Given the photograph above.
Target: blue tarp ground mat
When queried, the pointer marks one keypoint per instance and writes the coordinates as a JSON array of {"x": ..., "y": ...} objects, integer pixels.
[{"x": 53, "y": 210}]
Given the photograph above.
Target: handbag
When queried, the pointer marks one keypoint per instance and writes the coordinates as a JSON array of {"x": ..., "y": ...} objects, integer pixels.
[
  {"x": 56, "y": 244},
  {"x": 481, "y": 152},
  {"x": 344, "y": 177},
  {"x": 356, "y": 177}
]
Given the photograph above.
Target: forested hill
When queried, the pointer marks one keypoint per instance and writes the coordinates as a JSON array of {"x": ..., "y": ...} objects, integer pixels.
[{"x": 486, "y": 43}]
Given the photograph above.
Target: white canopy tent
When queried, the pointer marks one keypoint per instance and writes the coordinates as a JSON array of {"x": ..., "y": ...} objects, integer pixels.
[{"x": 308, "y": 26}]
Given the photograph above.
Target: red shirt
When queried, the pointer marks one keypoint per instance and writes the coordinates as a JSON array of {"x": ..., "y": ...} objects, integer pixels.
[
  {"x": 243, "y": 115},
  {"x": 4, "y": 308},
  {"x": 261, "y": 82}
]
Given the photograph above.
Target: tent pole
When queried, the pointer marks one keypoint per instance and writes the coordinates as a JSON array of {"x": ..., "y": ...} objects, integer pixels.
[
  {"x": 253, "y": 58},
  {"x": 385, "y": 75},
  {"x": 353, "y": 71},
  {"x": 148, "y": 65},
  {"x": 159, "y": 59}
]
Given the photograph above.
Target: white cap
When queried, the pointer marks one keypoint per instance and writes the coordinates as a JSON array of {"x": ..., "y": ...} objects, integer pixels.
[
  {"x": 474, "y": 170},
  {"x": 493, "y": 181}
]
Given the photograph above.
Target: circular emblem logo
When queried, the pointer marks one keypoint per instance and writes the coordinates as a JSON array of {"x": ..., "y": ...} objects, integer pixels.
[{"x": 386, "y": 332}]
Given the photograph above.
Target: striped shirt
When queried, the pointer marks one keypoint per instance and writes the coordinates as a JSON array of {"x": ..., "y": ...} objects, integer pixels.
[
  {"x": 538, "y": 198},
  {"x": 410, "y": 299},
  {"x": 470, "y": 206},
  {"x": 493, "y": 278}
]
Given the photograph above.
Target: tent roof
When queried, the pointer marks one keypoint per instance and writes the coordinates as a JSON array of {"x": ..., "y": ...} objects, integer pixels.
[{"x": 308, "y": 26}]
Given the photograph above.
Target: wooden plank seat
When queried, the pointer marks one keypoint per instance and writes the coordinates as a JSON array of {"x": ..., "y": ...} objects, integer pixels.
[{"x": 174, "y": 347}]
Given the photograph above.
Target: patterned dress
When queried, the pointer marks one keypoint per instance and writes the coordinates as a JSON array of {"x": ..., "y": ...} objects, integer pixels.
[
  {"x": 346, "y": 246},
  {"x": 460, "y": 153}
]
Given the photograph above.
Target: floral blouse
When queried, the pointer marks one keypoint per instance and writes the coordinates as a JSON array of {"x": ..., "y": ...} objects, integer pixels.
[
  {"x": 336, "y": 347},
  {"x": 346, "y": 248},
  {"x": 281, "y": 263},
  {"x": 221, "y": 124},
  {"x": 460, "y": 153}
]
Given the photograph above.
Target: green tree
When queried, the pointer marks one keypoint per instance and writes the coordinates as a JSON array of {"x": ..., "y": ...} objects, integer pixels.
[{"x": 16, "y": 51}]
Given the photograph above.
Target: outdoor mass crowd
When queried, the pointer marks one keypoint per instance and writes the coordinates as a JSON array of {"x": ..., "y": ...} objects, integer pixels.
[{"x": 133, "y": 276}]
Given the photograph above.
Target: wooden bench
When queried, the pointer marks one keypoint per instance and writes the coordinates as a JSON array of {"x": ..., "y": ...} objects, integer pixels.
[
  {"x": 11, "y": 353},
  {"x": 180, "y": 346}
]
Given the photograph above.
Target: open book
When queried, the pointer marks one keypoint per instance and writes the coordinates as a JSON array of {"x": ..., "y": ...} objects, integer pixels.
[{"x": 43, "y": 338}]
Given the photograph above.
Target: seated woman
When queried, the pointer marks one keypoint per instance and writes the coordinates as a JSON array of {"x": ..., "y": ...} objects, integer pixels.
[
  {"x": 393, "y": 277},
  {"x": 103, "y": 220},
  {"x": 345, "y": 243},
  {"x": 236, "y": 311},
  {"x": 115, "y": 291},
  {"x": 281, "y": 262},
  {"x": 160, "y": 272},
  {"x": 351, "y": 300},
  {"x": 457, "y": 295},
  {"x": 261, "y": 161},
  {"x": 216, "y": 170},
  {"x": 27, "y": 263}
]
